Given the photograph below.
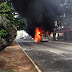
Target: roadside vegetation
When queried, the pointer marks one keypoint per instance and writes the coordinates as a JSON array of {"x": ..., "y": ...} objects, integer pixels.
[
  {"x": 6, "y": 11},
  {"x": 3, "y": 33},
  {"x": 9, "y": 71}
]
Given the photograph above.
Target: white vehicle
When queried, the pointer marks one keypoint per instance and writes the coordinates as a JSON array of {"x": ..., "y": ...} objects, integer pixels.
[{"x": 45, "y": 37}]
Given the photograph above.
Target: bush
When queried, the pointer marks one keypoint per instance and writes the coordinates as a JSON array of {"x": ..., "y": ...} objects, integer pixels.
[{"x": 3, "y": 33}]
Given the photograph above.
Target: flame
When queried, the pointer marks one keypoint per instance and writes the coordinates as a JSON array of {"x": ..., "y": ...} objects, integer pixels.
[
  {"x": 37, "y": 37},
  {"x": 47, "y": 32}
]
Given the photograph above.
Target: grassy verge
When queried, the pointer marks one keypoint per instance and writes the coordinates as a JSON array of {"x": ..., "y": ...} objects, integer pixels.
[{"x": 9, "y": 71}]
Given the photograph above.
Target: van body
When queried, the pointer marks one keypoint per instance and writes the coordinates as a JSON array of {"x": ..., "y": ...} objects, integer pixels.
[{"x": 45, "y": 38}]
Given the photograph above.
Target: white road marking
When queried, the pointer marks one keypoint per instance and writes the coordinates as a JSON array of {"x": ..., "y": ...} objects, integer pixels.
[{"x": 31, "y": 60}]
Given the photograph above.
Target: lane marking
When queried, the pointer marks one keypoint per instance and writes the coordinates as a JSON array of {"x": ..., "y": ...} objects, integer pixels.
[
  {"x": 25, "y": 41},
  {"x": 30, "y": 59}
]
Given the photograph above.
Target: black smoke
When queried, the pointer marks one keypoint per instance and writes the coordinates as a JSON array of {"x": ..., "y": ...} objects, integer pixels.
[{"x": 39, "y": 13}]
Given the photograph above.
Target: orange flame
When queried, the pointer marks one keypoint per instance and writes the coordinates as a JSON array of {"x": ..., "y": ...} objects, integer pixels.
[
  {"x": 37, "y": 37},
  {"x": 47, "y": 32}
]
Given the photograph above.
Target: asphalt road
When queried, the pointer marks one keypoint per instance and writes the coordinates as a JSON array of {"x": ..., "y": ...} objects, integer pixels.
[{"x": 52, "y": 56}]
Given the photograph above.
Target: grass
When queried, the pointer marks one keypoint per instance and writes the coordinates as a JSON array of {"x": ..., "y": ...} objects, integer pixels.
[{"x": 9, "y": 71}]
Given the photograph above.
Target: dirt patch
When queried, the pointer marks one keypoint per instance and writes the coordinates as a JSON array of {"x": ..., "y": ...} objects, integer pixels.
[{"x": 13, "y": 58}]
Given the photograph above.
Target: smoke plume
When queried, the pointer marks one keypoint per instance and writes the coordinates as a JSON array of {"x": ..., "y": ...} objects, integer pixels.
[{"x": 39, "y": 13}]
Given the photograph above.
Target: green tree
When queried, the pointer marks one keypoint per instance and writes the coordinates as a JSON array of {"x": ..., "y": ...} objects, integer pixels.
[
  {"x": 3, "y": 33},
  {"x": 20, "y": 24},
  {"x": 6, "y": 11}
]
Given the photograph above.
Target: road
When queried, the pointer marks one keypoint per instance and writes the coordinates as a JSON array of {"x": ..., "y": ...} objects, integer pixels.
[{"x": 52, "y": 56}]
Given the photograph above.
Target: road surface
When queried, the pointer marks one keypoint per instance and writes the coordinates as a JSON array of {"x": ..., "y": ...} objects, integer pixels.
[{"x": 52, "y": 56}]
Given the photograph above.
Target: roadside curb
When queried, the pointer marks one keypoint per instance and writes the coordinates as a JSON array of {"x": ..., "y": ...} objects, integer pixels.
[{"x": 30, "y": 59}]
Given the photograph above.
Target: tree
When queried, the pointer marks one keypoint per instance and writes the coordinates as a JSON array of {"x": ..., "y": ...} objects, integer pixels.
[
  {"x": 20, "y": 24},
  {"x": 5, "y": 10},
  {"x": 3, "y": 33},
  {"x": 67, "y": 5}
]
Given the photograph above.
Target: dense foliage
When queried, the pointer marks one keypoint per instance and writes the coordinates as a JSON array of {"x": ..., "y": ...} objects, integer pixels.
[
  {"x": 6, "y": 11},
  {"x": 3, "y": 33},
  {"x": 20, "y": 24}
]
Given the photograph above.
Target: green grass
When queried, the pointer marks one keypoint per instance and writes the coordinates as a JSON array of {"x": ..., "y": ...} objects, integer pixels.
[{"x": 9, "y": 71}]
